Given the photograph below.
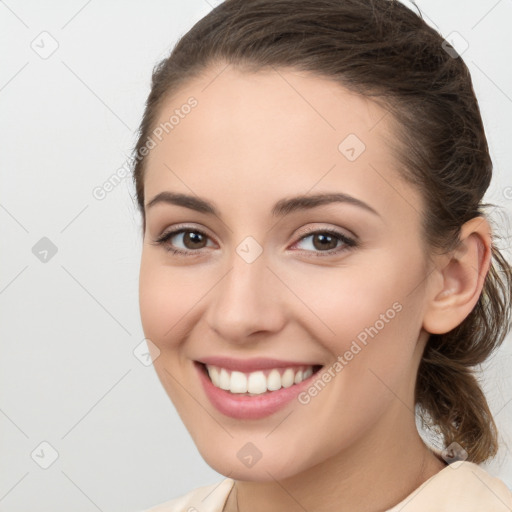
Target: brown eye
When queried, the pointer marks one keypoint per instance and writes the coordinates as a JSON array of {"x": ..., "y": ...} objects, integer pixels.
[
  {"x": 194, "y": 239},
  {"x": 324, "y": 241}
]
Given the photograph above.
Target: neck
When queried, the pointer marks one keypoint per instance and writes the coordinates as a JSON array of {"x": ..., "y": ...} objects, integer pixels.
[{"x": 373, "y": 477}]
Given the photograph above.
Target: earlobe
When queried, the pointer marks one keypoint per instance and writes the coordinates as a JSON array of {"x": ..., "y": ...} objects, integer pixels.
[{"x": 461, "y": 278}]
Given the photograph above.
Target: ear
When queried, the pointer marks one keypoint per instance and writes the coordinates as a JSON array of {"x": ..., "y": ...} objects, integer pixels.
[{"x": 458, "y": 279}]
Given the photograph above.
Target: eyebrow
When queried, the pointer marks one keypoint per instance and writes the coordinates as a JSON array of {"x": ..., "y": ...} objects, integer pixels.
[{"x": 281, "y": 208}]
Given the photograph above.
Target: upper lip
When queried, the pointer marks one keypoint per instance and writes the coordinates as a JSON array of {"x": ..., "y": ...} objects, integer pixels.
[{"x": 250, "y": 365}]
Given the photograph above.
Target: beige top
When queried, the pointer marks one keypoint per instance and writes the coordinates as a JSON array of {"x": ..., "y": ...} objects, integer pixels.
[{"x": 459, "y": 487}]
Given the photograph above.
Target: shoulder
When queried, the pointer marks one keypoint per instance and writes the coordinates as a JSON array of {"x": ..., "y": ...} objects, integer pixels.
[
  {"x": 208, "y": 498},
  {"x": 462, "y": 485}
]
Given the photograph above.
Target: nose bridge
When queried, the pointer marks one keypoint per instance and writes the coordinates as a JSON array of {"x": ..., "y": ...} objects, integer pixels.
[{"x": 247, "y": 299}]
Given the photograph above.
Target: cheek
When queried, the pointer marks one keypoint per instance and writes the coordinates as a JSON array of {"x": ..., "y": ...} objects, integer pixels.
[
  {"x": 166, "y": 296},
  {"x": 346, "y": 300},
  {"x": 366, "y": 315},
  {"x": 369, "y": 321},
  {"x": 165, "y": 299}
]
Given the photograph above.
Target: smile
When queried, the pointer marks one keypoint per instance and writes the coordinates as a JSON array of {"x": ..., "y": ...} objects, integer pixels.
[{"x": 253, "y": 389}]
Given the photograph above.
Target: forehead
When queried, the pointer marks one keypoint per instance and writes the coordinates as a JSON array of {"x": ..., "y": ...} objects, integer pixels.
[{"x": 273, "y": 133}]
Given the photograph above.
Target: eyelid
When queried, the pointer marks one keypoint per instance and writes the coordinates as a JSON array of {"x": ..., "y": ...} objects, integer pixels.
[
  {"x": 175, "y": 228},
  {"x": 323, "y": 227}
]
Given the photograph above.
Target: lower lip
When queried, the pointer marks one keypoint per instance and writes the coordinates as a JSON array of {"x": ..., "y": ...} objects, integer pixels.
[{"x": 246, "y": 407}]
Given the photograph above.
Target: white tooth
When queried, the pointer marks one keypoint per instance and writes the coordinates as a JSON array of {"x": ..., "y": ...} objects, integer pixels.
[
  {"x": 214, "y": 375},
  {"x": 274, "y": 381},
  {"x": 257, "y": 383},
  {"x": 287, "y": 378},
  {"x": 224, "y": 380},
  {"x": 307, "y": 373},
  {"x": 238, "y": 383}
]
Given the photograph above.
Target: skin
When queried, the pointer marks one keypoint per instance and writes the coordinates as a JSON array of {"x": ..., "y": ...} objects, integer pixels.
[{"x": 253, "y": 139}]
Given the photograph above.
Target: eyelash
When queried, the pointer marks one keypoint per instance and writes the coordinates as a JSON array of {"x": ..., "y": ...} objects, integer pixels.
[{"x": 349, "y": 242}]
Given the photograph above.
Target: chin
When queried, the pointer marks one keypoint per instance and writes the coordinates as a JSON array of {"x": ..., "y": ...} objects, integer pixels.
[{"x": 268, "y": 468}]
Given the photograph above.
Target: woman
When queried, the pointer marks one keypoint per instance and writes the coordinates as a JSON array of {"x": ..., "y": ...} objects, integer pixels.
[{"x": 317, "y": 264}]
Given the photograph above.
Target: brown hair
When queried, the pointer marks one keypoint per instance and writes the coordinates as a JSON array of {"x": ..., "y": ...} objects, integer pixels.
[{"x": 383, "y": 50}]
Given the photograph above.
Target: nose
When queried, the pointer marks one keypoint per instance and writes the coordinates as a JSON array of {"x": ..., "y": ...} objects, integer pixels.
[{"x": 247, "y": 300}]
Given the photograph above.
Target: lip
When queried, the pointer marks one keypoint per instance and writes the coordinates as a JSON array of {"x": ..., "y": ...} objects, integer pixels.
[
  {"x": 244, "y": 407},
  {"x": 252, "y": 365}
]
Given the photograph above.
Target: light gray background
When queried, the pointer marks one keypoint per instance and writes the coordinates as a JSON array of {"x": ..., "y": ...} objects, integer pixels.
[{"x": 69, "y": 326}]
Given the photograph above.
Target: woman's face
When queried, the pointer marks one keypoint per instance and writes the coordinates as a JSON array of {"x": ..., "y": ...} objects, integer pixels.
[{"x": 274, "y": 289}]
